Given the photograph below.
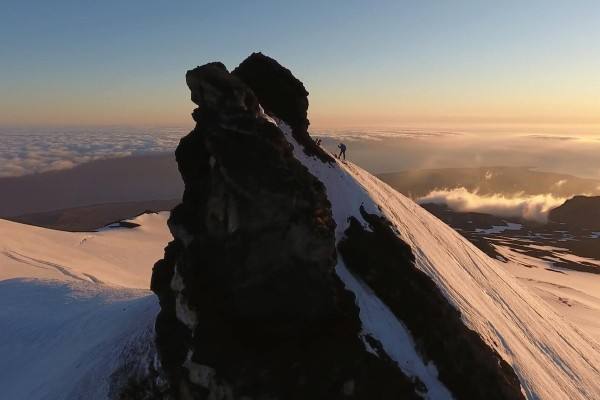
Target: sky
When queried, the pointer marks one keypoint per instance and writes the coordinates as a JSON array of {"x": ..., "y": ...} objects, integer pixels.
[{"x": 376, "y": 63}]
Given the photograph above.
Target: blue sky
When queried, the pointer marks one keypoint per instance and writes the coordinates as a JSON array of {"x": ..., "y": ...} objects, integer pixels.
[{"x": 365, "y": 63}]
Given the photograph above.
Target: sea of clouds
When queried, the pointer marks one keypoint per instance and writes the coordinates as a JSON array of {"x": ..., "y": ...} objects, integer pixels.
[
  {"x": 529, "y": 207},
  {"x": 381, "y": 134},
  {"x": 26, "y": 151},
  {"x": 393, "y": 149},
  {"x": 32, "y": 150}
]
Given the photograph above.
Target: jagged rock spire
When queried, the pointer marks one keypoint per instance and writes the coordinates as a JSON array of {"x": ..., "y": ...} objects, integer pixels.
[{"x": 250, "y": 303}]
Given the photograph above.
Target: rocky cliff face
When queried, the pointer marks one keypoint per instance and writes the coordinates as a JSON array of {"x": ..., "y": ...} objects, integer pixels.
[{"x": 250, "y": 304}]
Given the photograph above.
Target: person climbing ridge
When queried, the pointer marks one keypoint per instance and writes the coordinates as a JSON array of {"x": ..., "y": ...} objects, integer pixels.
[{"x": 342, "y": 148}]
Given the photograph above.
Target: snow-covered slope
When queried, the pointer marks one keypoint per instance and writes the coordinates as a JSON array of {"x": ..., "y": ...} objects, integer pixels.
[
  {"x": 64, "y": 339},
  {"x": 72, "y": 305},
  {"x": 574, "y": 295},
  {"x": 115, "y": 256},
  {"x": 552, "y": 359}
]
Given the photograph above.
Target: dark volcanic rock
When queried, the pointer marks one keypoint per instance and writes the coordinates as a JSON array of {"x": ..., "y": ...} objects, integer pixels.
[
  {"x": 282, "y": 96},
  {"x": 466, "y": 365},
  {"x": 250, "y": 304},
  {"x": 278, "y": 90},
  {"x": 218, "y": 93},
  {"x": 579, "y": 212}
]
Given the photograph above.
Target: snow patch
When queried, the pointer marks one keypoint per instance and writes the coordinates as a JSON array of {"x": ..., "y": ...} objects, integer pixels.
[{"x": 495, "y": 229}]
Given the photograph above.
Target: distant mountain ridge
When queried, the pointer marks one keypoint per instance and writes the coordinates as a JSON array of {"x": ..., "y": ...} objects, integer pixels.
[
  {"x": 582, "y": 211},
  {"x": 89, "y": 218}
]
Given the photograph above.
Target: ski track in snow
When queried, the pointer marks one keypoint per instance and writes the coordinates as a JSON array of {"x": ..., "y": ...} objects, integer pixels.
[
  {"x": 553, "y": 359},
  {"x": 116, "y": 256},
  {"x": 34, "y": 262}
]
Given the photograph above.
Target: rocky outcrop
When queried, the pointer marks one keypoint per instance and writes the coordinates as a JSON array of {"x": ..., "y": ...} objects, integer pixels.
[
  {"x": 282, "y": 96},
  {"x": 578, "y": 212},
  {"x": 250, "y": 304}
]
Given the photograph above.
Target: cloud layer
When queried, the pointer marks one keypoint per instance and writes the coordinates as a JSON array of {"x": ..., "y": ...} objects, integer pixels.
[
  {"x": 27, "y": 151},
  {"x": 391, "y": 150},
  {"x": 533, "y": 208},
  {"x": 352, "y": 135}
]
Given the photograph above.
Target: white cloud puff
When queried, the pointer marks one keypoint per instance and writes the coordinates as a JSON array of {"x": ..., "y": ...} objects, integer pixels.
[{"x": 529, "y": 207}]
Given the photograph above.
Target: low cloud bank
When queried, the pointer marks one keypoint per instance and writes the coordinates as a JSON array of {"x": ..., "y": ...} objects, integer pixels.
[{"x": 529, "y": 207}]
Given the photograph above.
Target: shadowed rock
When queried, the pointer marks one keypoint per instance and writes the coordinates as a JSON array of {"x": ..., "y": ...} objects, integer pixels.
[{"x": 218, "y": 93}]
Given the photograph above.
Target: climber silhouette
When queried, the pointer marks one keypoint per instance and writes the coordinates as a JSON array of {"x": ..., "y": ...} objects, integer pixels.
[{"x": 342, "y": 148}]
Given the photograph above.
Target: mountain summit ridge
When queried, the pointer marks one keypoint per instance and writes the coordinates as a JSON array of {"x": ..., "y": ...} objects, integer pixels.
[
  {"x": 273, "y": 252},
  {"x": 250, "y": 304}
]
